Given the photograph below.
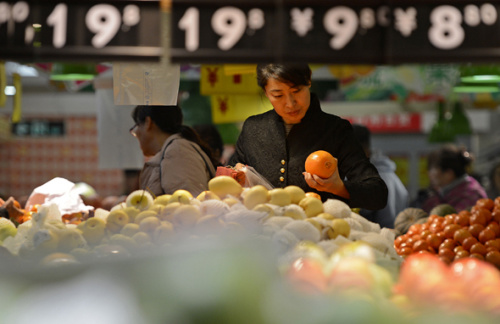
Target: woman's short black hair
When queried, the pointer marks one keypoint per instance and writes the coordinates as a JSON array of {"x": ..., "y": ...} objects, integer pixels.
[{"x": 295, "y": 74}]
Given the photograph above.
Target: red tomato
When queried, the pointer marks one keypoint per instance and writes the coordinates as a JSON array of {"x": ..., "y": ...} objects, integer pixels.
[
  {"x": 486, "y": 203},
  {"x": 475, "y": 229},
  {"x": 486, "y": 235},
  {"x": 469, "y": 242},
  {"x": 461, "y": 234},
  {"x": 449, "y": 230}
]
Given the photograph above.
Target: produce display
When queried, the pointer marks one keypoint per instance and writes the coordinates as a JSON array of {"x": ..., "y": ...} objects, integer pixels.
[{"x": 323, "y": 253}]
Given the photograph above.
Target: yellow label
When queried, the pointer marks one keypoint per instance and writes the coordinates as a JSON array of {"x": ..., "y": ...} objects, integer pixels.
[
  {"x": 237, "y": 108},
  {"x": 214, "y": 80}
]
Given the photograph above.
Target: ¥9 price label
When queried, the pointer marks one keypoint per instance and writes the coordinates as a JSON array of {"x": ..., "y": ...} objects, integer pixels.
[{"x": 89, "y": 25}]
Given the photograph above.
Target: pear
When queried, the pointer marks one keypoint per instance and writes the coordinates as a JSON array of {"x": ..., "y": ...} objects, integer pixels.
[
  {"x": 149, "y": 224},
  {"x": 264, "y": 208},
  {"x": 132, "y": 212},
  {"x": 7, "y": 228},
  {"x": 296, "y": 193},
  {"x": 256, "y": 195},
  {"x": 338, "y": 227},
  {"x": 225, "y": 185},
  {"x": 312, "y": 206},
  {"x": 279, "y": 197},
  {"x": 93, "y": 230},
  {"x": 140, "y": 199},
  {"x": 123, "y": 240},
  {"x": 230, "y": 201},
  {"x": 186, "y": 215},
  {"x": 116, "y": 220},
  {"x": 45, "y": 241},
  {"x": 181, "y": 196},
  {"x": 141, "y": 238},
  {"x": 207, "y": 195},
  {"x": 163, "y": 233},
  {"x": 144, "y": 214},
  {"x": 326, "y": 216},
  {"x": 69, "y": 239},
  {"x": 130, "y": 229},
  {"x": 162, "y": 200},
  {"x": 167, "y": 213}
]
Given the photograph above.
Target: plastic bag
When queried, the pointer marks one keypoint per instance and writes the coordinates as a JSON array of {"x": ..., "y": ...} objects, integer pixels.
[{"x": 246, "y": 176}]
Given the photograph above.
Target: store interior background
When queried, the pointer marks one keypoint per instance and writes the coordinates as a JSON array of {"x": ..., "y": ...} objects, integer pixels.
[{"x": 372, "y": 94}]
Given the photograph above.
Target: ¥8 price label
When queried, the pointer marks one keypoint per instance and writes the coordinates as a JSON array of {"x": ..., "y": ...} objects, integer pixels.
[{"x": 78, "y": 27}]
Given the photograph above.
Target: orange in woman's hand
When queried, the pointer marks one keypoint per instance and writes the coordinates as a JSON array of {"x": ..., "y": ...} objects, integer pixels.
[{"x": 321, "y": 163}]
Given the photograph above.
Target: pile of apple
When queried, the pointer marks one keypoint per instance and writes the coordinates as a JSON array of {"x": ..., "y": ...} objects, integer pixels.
[
  {"x": 474, "y": 233},
  {"x": 466, "y": 286}
]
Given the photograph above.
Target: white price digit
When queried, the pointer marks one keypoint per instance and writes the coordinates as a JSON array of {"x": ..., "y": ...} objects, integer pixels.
[
  {"x": 489, "y": 14},
  {"x": 230, "y": 23},
  {"x": 190, "y": 23},
  {"x": 4, "y": 12},
  {"x": 342, "y": 23},
  {"x": 471, "y": 15},
  {"x": 103, "y": 20},
  {"x": 58, "y": 19},
  {"x": 367, "y": 18},
  {"x": 446, "y": 31},
  {"x": 20, "y": 11},
  {"x": 131, "y": 15}
]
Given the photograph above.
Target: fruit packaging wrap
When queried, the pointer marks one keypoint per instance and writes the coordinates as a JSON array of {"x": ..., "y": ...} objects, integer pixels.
[{"x": 237, "y": 175}]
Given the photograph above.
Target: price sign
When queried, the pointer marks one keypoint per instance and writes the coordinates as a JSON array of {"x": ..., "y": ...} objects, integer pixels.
[
  {"x": 339, "y": 32},
  {"x": 80, "y": 30}
]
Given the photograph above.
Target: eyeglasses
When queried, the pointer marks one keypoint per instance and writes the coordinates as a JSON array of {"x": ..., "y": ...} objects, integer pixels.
[{"x": 132, "y": 130}]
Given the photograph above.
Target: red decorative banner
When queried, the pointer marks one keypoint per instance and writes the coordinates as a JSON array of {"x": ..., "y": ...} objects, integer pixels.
[{"x": 390, "y": 123}]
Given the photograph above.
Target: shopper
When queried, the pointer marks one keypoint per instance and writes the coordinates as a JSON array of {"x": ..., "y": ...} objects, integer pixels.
[
  {"x": 277, "y": 143},
  {"x": 210, "y": 135},
  {"x": 449, "y": 182},
  {"x": 493, "y": 189},
  {"x": 397, "y": 199},
  {"x": 176, "y": 157}
]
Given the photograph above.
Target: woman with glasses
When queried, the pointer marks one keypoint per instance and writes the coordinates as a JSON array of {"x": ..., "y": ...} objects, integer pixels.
[{"x": 177, "y": 157}]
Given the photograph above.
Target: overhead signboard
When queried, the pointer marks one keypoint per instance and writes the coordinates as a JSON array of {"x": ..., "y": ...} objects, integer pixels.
[
  {"x": 354, "y": 31},
  {"x": 77, "y": 30}
]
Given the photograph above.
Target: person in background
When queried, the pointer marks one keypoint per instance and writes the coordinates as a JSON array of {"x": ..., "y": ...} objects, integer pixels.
[
  {"x": 449, "y": 182},
  {"x": 277, "y": 143},
  {"x": 398, "y": 198},
  {"x": 493, "y": 189},
  {"x": 177, "y": 158},
  {"x": 211, "y": 136}
]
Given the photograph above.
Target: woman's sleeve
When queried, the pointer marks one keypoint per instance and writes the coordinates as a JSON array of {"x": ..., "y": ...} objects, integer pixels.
[{"x": 366, "y": 188}]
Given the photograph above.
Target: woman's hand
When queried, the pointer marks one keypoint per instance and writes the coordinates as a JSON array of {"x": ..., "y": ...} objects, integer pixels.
[{"x": 333, "y": 184}]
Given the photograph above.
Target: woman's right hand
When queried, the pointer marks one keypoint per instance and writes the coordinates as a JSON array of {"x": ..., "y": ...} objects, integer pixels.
[{"x": 333, "y": 184}]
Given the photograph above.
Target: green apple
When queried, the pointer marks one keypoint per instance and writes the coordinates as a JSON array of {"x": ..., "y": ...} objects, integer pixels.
[
  {"x": 123, "y": 240},
  {"x": 296, "y": 193},
  {"x": 132, "y": 212},
  {"x": 312, "y": 206},
  {"x": 225, "y": 185},
  {"x": 279, "y": 197},
  {"x": 45, "y": 241},
  {"x": 116, "y": 220},
  {"x": 256, "y": 195},
  {"x": 181, "y": 196},
  {"x": 93, "y": 230}
]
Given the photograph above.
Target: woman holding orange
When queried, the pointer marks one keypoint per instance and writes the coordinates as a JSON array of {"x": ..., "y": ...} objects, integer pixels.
[{"x": 277, "y": 143}]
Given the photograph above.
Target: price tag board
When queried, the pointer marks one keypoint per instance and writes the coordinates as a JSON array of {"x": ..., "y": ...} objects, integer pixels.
[
  {"x": 335, "y": 32},
  {"x": 77, "y": 30}
]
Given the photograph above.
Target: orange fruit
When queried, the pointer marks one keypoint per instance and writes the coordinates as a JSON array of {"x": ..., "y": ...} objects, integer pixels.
[{"x": 321, "y": 163}]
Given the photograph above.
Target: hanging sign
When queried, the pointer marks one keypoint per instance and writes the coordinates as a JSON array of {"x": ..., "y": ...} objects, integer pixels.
[
  {"x": 336, "y": 32},
  {"x": 55, "y": 30}
]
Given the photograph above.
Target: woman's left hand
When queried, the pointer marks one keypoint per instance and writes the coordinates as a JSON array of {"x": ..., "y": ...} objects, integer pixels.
[{"x": 333, "y": 184}]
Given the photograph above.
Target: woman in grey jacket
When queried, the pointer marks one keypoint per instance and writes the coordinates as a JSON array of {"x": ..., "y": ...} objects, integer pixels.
[
  {"x": 177, "y": 157},
  {"x": 277, "y": 143}
]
